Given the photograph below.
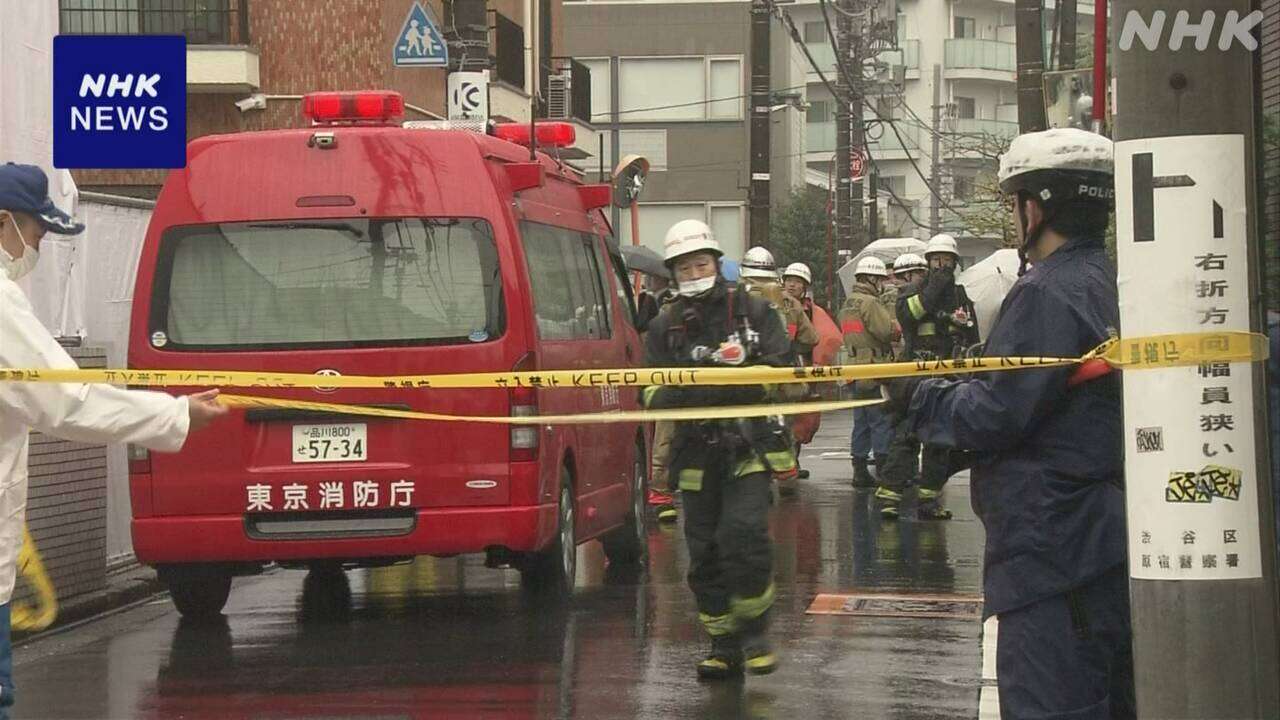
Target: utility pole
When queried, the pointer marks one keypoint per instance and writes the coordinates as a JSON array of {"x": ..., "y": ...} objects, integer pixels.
[
  {"x": 873, "y": 207},
  {"x": 1066, "y": 35},
  {"x": 850, "y": 132},
  {"x": 1203, "y": 573},
  {"x": 758, "y": 195},
  {"x": 1030, "y": 53},
  {"x": 935, "y": 219}
]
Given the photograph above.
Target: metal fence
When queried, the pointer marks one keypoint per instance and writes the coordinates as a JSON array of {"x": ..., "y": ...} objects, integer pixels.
[{"x": 202, "y": 22}]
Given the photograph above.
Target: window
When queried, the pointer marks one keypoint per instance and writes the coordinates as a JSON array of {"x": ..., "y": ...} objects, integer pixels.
[
  {"x": 966, "y": 108},
  {"x": 725, "y": 219},
  {"x": 727, "y": 223},
  {"x": 680, "y": 88},
  {"x": 819, "y": 111},
  {"x": 328, "y": 283},
  {"x": 962, "y": 188},
  {"x": 623, "y": 286},
  {"x": 601, "y": 88},
  {"x": 902, "y": 28},
  {"x": 892, "y": 184},
  {"x": 885, "y": 106},
  {"x": 965, "y": 27},
  {"x": 568, "y": 295},
  {"x": 815, "y": 33}
]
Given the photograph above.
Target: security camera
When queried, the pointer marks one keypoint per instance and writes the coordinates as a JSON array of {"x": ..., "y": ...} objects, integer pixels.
[{"x": 257, "y": 101}]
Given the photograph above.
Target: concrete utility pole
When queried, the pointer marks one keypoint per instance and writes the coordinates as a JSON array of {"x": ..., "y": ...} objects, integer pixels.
[
  {"x": 1186, "y": 124},
  {"x": 1066, "y": 35},
  {"x": 1030, "y": 53},
  {"x": 935, "y": 219},
  {"x": 850, "y": 133},
  {"x": 758, "y": 195}
]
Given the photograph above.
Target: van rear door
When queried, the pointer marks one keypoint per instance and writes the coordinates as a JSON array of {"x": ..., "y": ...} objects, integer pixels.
[{"x": 348, "y": 296}]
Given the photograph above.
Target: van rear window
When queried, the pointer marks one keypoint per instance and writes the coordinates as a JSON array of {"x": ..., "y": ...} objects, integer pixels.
[{"x": 328, "y": 283}]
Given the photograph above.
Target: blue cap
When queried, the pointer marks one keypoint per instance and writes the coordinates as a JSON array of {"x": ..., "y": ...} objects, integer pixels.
[{"x": 25, "y": 189}]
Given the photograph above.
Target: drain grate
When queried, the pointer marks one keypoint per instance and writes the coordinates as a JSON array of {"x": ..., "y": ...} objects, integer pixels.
[{"x": 909, "y": 606}]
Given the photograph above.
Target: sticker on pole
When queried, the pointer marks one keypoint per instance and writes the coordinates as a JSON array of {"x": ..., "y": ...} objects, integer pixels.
[
  {"x": 420, "y": 43},
  {"x": 1191, "y": 468}
]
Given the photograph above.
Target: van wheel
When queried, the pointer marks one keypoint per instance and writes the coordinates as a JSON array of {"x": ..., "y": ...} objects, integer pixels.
[
  {"x": 199, "y": 592},
  {"x": 629, "y": 544},
  {"x": 552, "y": 571}
]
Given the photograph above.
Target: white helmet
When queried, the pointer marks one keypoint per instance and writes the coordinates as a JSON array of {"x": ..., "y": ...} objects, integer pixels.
[
  {"x": 799, "y": 270},
  {"x": 941, "y": 243},
  {"x": 1060, "y": 165},
  {"x": 758, "y": 263},
  {"x": 871, "y": 265},
  {"x": 907, "y": 262},
  {"x": 689, "y": 236}
]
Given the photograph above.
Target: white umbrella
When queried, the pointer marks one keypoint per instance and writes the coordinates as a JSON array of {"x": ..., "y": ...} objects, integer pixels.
[
  {"x": 887, "y": 249},
  {"x": 987, "y": 283}
]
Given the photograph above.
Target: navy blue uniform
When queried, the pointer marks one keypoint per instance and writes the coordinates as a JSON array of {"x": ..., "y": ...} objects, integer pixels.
[{"x": 1047, "y": 483}]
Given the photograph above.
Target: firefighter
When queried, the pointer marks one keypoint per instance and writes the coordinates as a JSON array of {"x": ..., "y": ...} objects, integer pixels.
[
  {"x": 1048, "y": 480},
  {"x": 938, "y": 321},
  {"x": 759, "y": 276},
  {"x": 796, "y": 280},
  {"x": 723, "y": 467},
  {"x": 868, "y": 329}
]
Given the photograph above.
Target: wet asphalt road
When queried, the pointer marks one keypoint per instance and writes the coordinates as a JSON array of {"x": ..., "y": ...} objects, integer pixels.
[{"x": 448, "y": 638}]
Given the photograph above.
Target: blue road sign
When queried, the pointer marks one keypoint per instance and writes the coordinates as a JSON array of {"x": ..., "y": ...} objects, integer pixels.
[{"x": 420, "y": 43}]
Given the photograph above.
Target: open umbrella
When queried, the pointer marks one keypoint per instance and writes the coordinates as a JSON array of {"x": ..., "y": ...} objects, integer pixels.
[
  {"x": 986, "y": 284},
  {"x": 641, "y": 259},
  {"x": 887, "y": 249}
]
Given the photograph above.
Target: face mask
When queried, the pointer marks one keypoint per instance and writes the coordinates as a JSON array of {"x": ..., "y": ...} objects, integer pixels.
[
  {"x": 20, "y": 266},
  {"x": 694, "y": 288}
]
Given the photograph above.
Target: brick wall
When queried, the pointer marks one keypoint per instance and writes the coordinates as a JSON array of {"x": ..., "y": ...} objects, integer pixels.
[
  {"x": 1270, "y": 215},
  {"x": 67, "y": 506}
]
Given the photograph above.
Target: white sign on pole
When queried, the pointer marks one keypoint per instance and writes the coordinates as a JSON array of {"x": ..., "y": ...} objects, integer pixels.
[
  {"x": 469, "y": 95},
  {"x": 1190, "y": 462}
]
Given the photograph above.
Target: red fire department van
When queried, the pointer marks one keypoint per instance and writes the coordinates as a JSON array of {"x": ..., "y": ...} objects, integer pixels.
[{"x": 357, "y": 246}]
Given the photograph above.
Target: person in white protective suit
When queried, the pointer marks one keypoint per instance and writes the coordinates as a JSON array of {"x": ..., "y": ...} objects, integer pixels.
[{"x": 86, "y": 413}]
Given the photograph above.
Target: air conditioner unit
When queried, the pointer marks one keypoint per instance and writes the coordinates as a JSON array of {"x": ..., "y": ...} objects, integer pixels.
[{"x": 560, "y": 95}]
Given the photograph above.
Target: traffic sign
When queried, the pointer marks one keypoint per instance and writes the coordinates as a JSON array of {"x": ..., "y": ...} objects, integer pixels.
[
  {"x": 857, "y": 164},
  {"x": 420, "y": 43}
]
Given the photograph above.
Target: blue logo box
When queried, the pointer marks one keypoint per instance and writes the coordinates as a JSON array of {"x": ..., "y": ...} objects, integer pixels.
[{"x": 119, "y": 101}]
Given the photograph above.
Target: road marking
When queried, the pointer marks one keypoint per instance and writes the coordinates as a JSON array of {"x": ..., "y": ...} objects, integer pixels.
[{"x": 989, "y": 696}]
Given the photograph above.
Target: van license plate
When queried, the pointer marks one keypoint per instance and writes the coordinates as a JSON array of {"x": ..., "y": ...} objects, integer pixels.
[{"x": 330, "y": 443}]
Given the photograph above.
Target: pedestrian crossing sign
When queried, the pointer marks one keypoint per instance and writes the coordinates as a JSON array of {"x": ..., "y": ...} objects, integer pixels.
[{"x": 420, "y": 43}]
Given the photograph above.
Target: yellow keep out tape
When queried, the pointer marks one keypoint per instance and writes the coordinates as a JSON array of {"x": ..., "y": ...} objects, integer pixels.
[
  {"x": 45, "y": 611},
  {"x": 1159, "y": 351}
]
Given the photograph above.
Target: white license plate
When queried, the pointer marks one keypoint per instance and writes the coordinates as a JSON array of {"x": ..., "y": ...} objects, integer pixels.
[{"x": 330, "y": 443}]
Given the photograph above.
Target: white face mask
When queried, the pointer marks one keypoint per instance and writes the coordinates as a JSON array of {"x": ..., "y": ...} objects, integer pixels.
[
  {"x": 18, "y": 267},
  {"x": 694, "y": 288}
]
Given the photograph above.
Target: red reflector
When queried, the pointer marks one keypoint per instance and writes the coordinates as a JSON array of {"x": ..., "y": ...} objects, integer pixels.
[
  {"x": 550, "y": 134},
  {"x": 369, "y": 106}
]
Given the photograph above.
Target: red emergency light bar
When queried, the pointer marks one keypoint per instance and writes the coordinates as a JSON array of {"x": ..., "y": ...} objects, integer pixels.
[
  {"x": 370, "y": 106},
  {"x": 550, "y": 134}
]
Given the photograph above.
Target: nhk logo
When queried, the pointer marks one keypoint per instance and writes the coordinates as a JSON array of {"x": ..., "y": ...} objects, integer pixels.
[
  {"x": 1234, "y": 28},
  {"x": 119, "y": 101}
]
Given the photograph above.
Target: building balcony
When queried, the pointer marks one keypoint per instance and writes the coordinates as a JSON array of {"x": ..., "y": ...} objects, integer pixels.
[
  {"x": 820, "y": 142},
  {"x": 999, "y": 129},
  {"x": 219, "y": 58},
  {"x": 972, "y": 59},
  {"x": 907, "y": 54}
]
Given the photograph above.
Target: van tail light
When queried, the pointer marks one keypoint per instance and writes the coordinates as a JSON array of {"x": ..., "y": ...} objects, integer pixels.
[
  {"x": 524, "y": 403},
  {"x": 139, "y": 460},
  {"x": 369, "y": 106}
]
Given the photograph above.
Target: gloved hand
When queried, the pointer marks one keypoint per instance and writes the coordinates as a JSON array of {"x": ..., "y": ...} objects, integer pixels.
[{"x": 897, "y": 393}]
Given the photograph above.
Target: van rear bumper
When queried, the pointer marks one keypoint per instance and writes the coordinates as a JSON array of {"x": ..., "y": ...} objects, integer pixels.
[{"x": 224, "y": 538}]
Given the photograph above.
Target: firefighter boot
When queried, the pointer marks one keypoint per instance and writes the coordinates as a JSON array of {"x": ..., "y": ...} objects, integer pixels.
[
  {"x": 724, "y": 661},
  {"x": 862, "y": 474},
  {"x": 889, "y": 502},
  {"x": 928, "y": 507},
  {"x": 758, "y": 655}
]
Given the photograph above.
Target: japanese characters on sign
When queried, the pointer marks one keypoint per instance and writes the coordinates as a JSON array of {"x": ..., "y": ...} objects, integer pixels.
[
  {"x": 333, "y": 495},
  {"x": 1190, "y": 460}
]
